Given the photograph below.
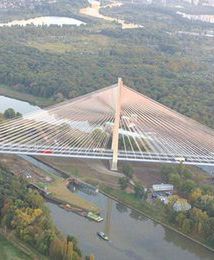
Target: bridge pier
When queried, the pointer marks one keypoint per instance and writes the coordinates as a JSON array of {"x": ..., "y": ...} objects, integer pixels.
[{"x": 115, "y": 134}]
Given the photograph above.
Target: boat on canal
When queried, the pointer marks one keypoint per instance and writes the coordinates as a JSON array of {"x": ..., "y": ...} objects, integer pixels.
[
  {"x": 103, "y": 236},
  {"x": 94, "y": 217}
]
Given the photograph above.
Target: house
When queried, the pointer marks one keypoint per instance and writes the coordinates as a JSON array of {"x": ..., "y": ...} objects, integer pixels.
[{"x": 162, "y": 187}]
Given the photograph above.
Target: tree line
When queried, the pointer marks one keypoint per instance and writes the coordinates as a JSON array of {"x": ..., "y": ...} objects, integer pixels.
[
  {"x": 23, "y": 212},
  {"x": 199, "y": 220}
]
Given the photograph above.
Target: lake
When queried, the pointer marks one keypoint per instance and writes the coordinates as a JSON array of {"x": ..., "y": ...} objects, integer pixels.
[{"x": 45, "y": 20}]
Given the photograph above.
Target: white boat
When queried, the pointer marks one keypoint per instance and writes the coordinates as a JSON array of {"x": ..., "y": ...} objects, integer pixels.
[{"x": 103, "y": 236}]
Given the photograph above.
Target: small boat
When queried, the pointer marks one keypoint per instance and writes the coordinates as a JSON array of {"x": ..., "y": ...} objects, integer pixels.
[
  {"x": 103, "y": 236},
  {"x": 94, "y": 217}
]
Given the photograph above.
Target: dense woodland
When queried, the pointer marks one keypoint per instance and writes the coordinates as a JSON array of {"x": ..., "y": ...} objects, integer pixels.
[
  {"x": 62, "y": 63},
  {"x": 66, "y": 62},
  {"x": 22, "y": 212},
  {"x": 199, "y": 220},
  {"x": 189, "y": 189}
]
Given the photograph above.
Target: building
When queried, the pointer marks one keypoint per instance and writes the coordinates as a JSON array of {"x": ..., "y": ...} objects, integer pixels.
[{"x": 162, "y": 187}]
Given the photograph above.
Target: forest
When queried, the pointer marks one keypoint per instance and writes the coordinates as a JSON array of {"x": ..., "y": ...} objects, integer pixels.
[
  {"x": 23, "y": 213},
  {"x": 199, "y": 220},
  {"x": 189, "y": 190},
  {"x": 62, "y": 63}
]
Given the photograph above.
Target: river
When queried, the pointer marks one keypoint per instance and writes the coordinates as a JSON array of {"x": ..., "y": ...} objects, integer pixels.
[{"x": 132, "y": 236}]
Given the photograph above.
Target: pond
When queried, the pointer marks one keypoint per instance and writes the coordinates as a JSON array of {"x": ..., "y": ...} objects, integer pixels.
[{"x": 45, "y": 20}]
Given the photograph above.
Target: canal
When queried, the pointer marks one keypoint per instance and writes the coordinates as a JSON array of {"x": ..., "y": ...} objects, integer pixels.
[{"x": 132, "y": 236}]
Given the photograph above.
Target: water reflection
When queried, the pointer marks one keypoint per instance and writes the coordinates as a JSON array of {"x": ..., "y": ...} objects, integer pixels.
[
  {"x": 108, "y": 217},
  {"x": 185, "y": 245},
  {"x": 121, "y": 208},
  {"x": 137, "y": 216},
  {"x": 134, "y": 236}
]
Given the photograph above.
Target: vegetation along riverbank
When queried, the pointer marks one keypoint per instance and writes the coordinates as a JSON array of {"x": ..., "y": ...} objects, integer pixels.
[
  {"x": 191, "y": 184},
  {"x": 24, "y": 215}
]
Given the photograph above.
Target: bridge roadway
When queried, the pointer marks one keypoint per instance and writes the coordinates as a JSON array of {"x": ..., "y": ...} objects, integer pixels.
[{"x": 73, "y": 152}]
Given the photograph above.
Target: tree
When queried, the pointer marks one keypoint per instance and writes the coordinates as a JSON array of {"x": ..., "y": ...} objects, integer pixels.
[
  {"x": 56, "y": 249},
  {"x": 91, "y": 257},
  {"x": 166, "y": 170},
  {"x": 123, "y": 182},
  {"x": 128, "y": 171},
  {"x": 69, "y": 251},
  {"x": 199, "y": 218},
  {"x": 18, "y": 114},
  {"x": 180, "y": 218},
  {"x": 188, "y": 186},
  {"x": 195, "y": 194},
  {"x": 209, "y": 230},
  {"x": 9, "y": 113},
  {"x": 139, "y": 191},
  {"x": 75, "y": 244},
  {"x": 206, "y": 202},
  {"x": 175, "y": 179},
  {"x": 24, "y": 213},
  {"x": 187, "y": 226}
]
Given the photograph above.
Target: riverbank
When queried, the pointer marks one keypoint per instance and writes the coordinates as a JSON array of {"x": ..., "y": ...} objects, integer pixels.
[
  {"x": 97, "y": 227},
  {"x": 52, "y": 185},
  {"x": 146, "y": 210},
  {"x": 33, "y": 100},
  {"x": 59, "y": 190},
  {"x": 150, "y": 211}
]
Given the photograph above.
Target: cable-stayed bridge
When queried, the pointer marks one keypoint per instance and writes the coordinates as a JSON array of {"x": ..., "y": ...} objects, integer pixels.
[{"x": 114, "y": 123}]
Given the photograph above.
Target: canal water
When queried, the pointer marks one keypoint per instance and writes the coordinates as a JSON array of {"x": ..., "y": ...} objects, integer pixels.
[{"x": 132, "y": 236}]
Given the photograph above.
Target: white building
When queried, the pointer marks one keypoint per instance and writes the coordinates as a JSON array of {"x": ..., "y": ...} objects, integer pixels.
[{"x": 162, "y": 187}]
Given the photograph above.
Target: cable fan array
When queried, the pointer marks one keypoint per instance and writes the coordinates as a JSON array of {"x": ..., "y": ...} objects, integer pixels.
[{"x": 83, "y": 127}]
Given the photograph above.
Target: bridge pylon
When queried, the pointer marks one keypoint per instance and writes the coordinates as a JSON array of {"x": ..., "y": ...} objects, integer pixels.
[{"x": 115, "y": 134}]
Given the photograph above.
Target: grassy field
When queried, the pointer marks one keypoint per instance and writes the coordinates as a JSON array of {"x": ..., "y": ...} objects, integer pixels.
[
  {"x": 77, "y": 43},
  {"x": 59, "y": 190},
  {"x": 57, "y": 185},
  {"x": 92, "y": 171},
  {"x": 133, "y": 202},
  {"x": 9, "y": 252}
]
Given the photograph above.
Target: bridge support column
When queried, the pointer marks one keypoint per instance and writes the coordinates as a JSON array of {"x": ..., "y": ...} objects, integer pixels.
[{"x": 115, "y": 134}]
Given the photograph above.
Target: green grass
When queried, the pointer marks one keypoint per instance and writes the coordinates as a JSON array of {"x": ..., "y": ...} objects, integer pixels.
[
  {"x": 60, "y": 191},
  {"x": 9, "y": 252},
  {"x": 79, "y": 44},
  {"x": 138, "y": 204},
  {"x": 52, "y": 47}
]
